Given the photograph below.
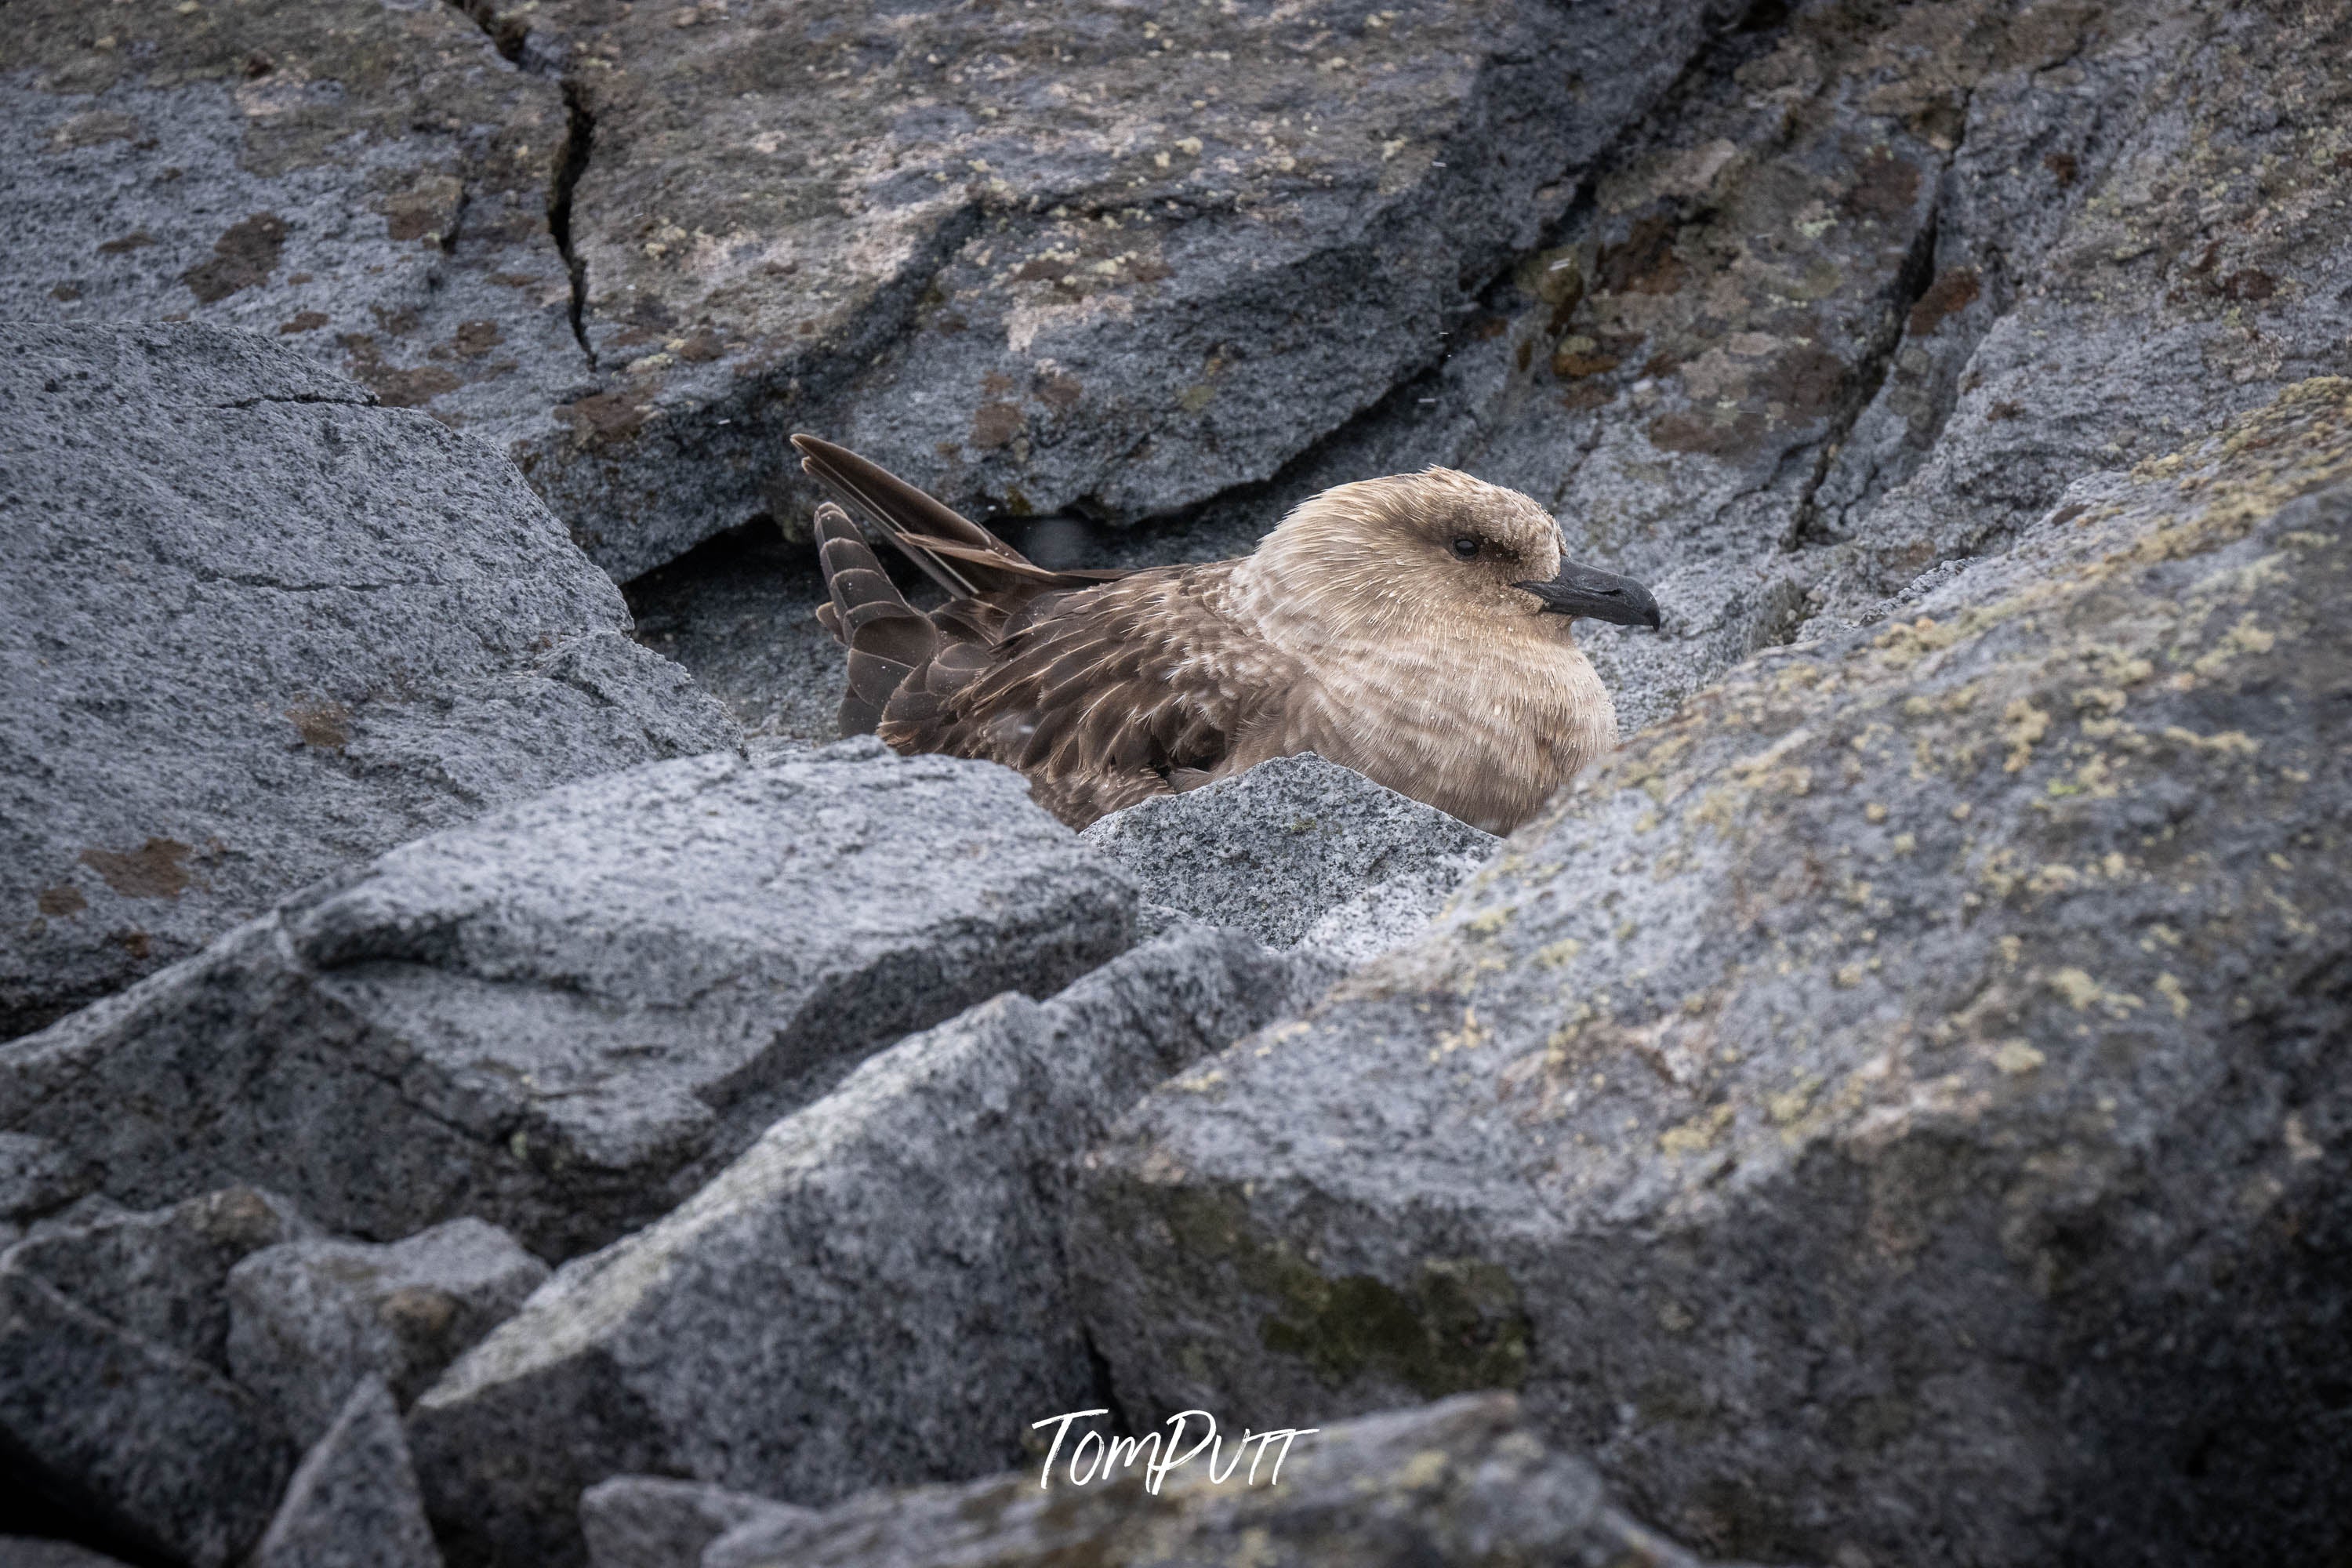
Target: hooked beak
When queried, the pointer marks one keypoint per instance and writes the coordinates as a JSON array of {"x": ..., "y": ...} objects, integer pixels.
[{"x": 1596, "y": 594}]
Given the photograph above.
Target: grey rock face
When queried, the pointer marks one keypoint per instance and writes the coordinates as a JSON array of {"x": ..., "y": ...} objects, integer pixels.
[
  {"x": 114, "y": 1398},
  {"x": 353, "y": 1502},
  {"x": 38, "y": 1175},
  {"x": 308, "y": 1321},
  {"x": 1462, "y": 1482},
  {"x": 254, "y": 631},
  {"x": 565, "y": 1016},
  {"x": 652, "y": 1522},
  {"x": 1297, "y": 851},
  {"x": 1031, "y": 258},
  {"x": 162, "y": 1274},
  {"x": 872, "y": 1292},
  {"x": 1889, "y": 1110}
]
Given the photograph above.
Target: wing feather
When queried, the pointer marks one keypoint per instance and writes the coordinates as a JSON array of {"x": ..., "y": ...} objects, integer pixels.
[{"x": 1106, "y": 694}]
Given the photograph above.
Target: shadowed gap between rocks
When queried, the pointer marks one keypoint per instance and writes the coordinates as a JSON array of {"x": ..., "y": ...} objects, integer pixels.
[{"x": 580, "y": 140}]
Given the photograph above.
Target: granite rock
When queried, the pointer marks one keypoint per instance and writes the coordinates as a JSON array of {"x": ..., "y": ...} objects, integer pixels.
[
  {"x": 115, "y": 1403},
  {"x": 564, "y": 1018},
  {"x": 653, "y": 1521},
  {"x": 38, "y": 1175},
  {"x": 1461, "y": 1482},
  {"x": 310, "y": 1320},
  {"x": 162, "y": 1274},
  {"x": 1035, "y": 257},
  {"x": 255, "y": 630},
  {"x": 873, "y": 1292},
  {"x": 1297, "y": 851},
  {"x": 353, "y": 1502},
  {"x": 1889, "y": 1110}
]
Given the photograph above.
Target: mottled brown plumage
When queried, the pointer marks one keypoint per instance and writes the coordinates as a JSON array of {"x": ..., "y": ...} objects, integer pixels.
[{"x": 1414, "y": 628}]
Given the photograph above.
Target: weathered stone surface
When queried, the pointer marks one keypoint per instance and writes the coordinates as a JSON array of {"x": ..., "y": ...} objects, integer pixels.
[
  {"x": 145, "y": 1441},
  {"x": 353, "y": 1502},
  {"x": 254, "y": 631},
  {"x": 308, "y": 1321},
  {"x": 565, "y": 1016},
  {"x": 873, "y": 1292},
  {"x": 1033, "y": 257},
  {"x": 1461, "y": 1482},
  {"x": 367, "y": 183},
  {"x": 38, "y": 1175},
  {"x": 1893, "y": 1110},
  {"x": 1297, "y": 851},
  {"x": 162, "y": 1274},
  {"x": 653, "y": 1521}
]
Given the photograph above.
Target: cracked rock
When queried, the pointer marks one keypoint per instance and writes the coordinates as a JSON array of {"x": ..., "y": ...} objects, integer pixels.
[
  {"x": 1461, "y": 1481},
  {"x": 1031, "y": 258},
  {"x": 353, "y": 1502},
  {"x": 310, "y": 1319},
  {"x": 862, "y": 1297},
  {"x": 653, "y": 1521},
  {"x": 1890, "y": 1108},
  {"x": 114, "y": 1401},
  {"x": 564, "y": 1018},
  {"x": 1297, "y": 852},
  {"x": 256, "y": 630}
]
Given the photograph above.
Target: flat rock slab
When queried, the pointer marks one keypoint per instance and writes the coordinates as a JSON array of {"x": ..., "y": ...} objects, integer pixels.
[
  {"x": 255, "y": 630},
  {"x": 565, "y": 1016},
  {"x": 1028, "y": 257},
  {"x": 1462, "y": 1481},
  {"x": 873, "y": 1292},
  {"x": 1297, "y": 851},
  {"x": 1891, "y": 1109},
  {"x": 310, "y": 1319}
]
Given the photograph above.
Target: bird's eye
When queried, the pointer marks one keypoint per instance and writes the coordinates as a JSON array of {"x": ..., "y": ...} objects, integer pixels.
[{"x": 1464, "y": 547}]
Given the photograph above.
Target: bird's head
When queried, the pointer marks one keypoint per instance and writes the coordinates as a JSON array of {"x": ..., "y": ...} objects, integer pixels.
[{"x": 1439, "y": 546}]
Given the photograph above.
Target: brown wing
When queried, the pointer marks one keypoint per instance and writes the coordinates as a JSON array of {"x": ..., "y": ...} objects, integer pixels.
[{"x": 1103, "y": 696}]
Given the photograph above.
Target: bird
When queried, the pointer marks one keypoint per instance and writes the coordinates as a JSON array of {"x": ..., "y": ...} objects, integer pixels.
[{"x": 1415, "y": 628}]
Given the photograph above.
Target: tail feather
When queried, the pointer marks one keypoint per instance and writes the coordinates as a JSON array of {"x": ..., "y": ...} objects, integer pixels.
[
  {"x": 960, "y": 557},
  {"x": 888, "y": 639}
]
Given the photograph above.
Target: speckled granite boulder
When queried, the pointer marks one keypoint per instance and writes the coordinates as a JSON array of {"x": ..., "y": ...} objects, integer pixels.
[
  {"x": 115, "y": 1401},
  {"x": 1297, "y": 852},
  {"x": 256, "y": 629},
  {"x": 309, "y": 1320},
  {"x": 564, "y": 1018},
  {"x": 871, "y": 1293},
  {"x": 1896, "y": 1109}
]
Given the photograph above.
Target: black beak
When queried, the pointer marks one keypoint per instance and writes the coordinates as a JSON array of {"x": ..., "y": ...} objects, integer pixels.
[{"x": 1598, "y": 595}]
